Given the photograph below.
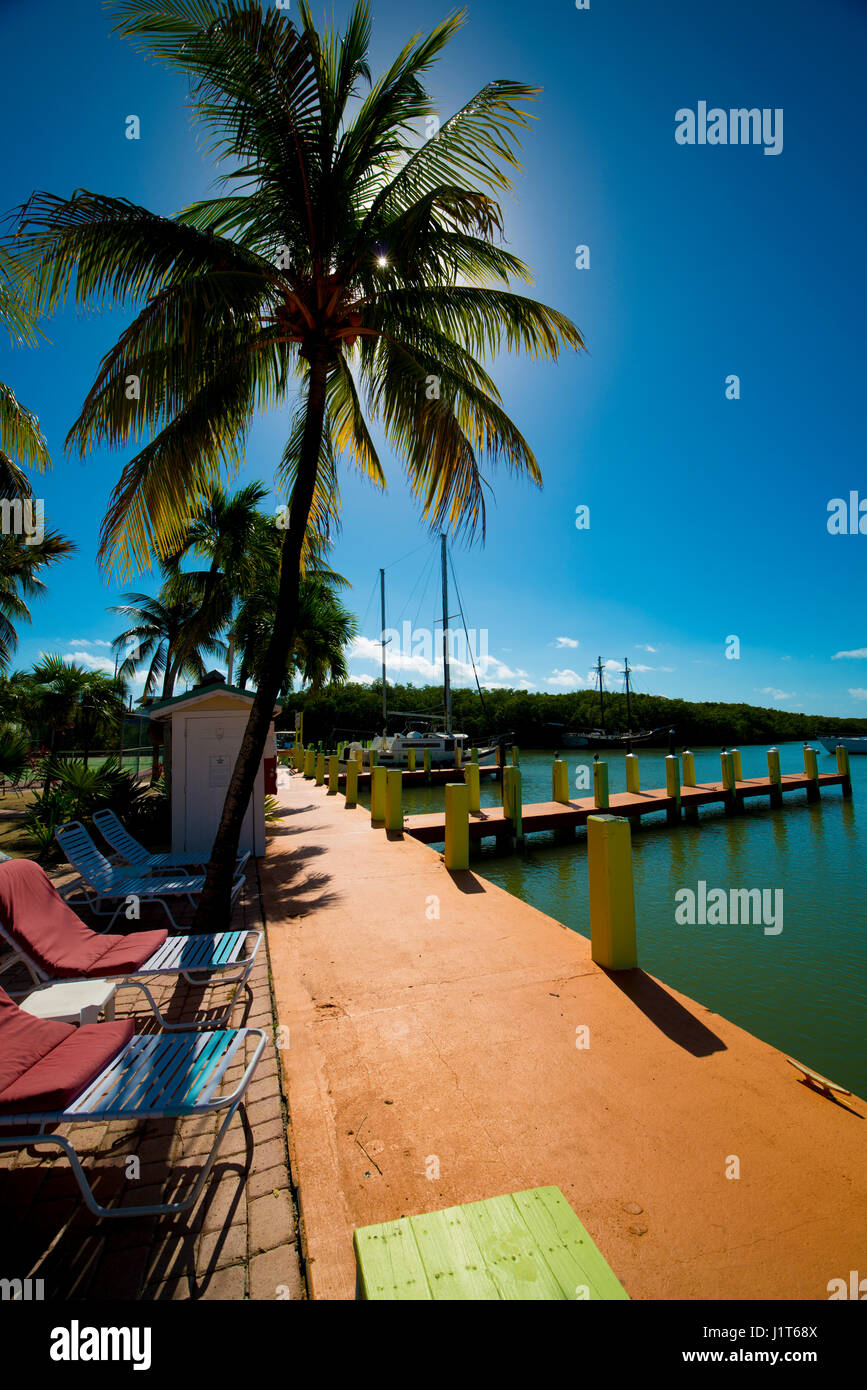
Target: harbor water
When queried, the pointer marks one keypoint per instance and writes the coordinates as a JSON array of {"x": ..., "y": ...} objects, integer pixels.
[{"x": 803, "y": 988}]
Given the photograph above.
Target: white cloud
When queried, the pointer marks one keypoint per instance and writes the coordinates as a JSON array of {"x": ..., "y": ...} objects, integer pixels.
[
  {"x": 642, "y": 668},
  {"x": 785, "y": 658},
  {"x": 88, "y": 642},
  {"x": 363, "y": 678},
  {"x": 416, "y": 664},
  {"x": 858, "y": 694},
  {"x": 645, "y": 647},
  {"x": 566, "y": 678},
  {"x": 669, "y": 669},
  {"x": 566, "y": 642},
  {"x": 859, "y": 654},
  {"x": 777, "y": 694},
  {"x": 94, "y": 663}
]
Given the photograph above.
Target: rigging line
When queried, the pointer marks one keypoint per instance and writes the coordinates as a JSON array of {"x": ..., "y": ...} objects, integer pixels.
[
  {"x": 467, "y": 635},
  {"x": 423, "y": 599},
  {"x": 412, "y": 591},
  {"x": 408, "y": 556},
  {"x": 367, "y": 609}
]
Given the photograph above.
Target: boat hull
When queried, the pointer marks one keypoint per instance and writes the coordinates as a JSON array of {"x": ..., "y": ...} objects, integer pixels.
[{"x": 852, "y": 745}]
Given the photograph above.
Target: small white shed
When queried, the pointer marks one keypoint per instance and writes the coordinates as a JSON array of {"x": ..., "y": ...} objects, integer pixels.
[{"x": 202, "y": 737}]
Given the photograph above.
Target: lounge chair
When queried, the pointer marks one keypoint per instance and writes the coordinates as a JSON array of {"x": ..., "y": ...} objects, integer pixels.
[
  {"x": 55, "y": 1074},
  {"x": 103, "y": 882},
  {"x": 115, "y": 833},
  {"x": 54, "y": 944}
]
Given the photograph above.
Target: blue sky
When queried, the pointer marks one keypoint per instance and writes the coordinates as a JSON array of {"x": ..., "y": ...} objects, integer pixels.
[{"x": 708, "y": 515}]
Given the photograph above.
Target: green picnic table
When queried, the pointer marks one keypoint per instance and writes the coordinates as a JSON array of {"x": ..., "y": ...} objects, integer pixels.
[{"x": 527, "y": 1245}]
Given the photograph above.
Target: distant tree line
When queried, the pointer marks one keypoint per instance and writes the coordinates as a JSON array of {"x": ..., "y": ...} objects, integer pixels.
[{"x": 537, "y": 720}]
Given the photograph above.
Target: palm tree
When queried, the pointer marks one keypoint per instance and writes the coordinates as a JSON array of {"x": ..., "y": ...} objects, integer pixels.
[
  {"x": 21, "y": 440},
  {"x": 168, "y": 632},
  {"x": 20, "y": 565},
  {"x": 66, "y": 697},
  {"x": 228, "y": 530},
  {"x": 171, "y": 632},
  {"x": 343, "y": 262},
  {"x": 325, "y": 629}
]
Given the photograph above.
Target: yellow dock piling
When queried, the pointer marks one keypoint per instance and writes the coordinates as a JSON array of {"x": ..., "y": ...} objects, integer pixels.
[
  {"x": 775, "y": 777},
  {"x": 612, "y": 899},
  {"x": 377, "y": 795},
  {"x": 516, "y": 755},
  {"x": 394, "y": 799},
  {"x": 811, "y": 770},
  {"x": 352, "y": 782},
  {"x": 727, "y": 764},
  {"x": 457, "y": 849},
  {"x": 471, "y": 777},
  {"x": 843, "y": 768},
  {"x": 410, "y": 759},
  {"x": 672, "y": 786},
  {"x": 736, "y": 759},
  {"x": 632, "y": 774},
  {"x": 427, "y": 760},
  {"x": 688, "y": 768},
  {"x": 333, "y": 774},
  {"x": 372, "y": 757},
  {"x": 560, "y": 781},
  {"x": 310, "y": 763},
  {"x": 459, "y": 755},
  {"x": 600, "y": 785}
]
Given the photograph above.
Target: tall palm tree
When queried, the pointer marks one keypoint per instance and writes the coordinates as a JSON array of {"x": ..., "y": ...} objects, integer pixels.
[
  {"x": 325, "y": 629},
  {"x": 238, "y": 540},
  {"x": 343, "y": 263},
  {"x": 22, "y": 442},
  {"x": 171, "y": 633},
  {"x": 168, "y": 632},
  {"x": 20, "y": 565},
  {"x": 67, "y": 697}
]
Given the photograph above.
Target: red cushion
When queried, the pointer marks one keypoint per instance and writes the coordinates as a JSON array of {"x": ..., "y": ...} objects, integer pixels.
[
  {"x": 24, "y": 1040},
  {"x": 46, "y": 928},
  {"x": 44, "y": 1065}
]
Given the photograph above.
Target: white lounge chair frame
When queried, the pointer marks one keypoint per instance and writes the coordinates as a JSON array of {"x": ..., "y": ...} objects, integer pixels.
[
  {"x": 102, "y": 882},
  {"x": 115, "y": 833},
  {"x": 207, "y": 958},
  {"x": 148, "y": 1080}
]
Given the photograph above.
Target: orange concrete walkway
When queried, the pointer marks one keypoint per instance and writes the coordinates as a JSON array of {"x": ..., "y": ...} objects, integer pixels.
[{"x": 433, "y": 1060}]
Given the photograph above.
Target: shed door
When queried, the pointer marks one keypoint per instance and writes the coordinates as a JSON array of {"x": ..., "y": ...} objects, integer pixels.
[{"x": 212, "y": 748}]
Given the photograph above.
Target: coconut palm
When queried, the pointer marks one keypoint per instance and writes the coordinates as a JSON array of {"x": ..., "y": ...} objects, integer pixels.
[
  {"x": 67, "y": 698},
  {"x": 22, "y": 442},
  {"x": 346, "y": 262},
  {"x": 325, "y": 629},
  {"x": 21, "y": 562},
  {"x": 240, "y": 541},
  {"x": 168, "y": 632}
]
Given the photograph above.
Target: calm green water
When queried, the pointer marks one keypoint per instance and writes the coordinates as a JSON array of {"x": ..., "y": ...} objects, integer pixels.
[{"x": 804, "y": 990}]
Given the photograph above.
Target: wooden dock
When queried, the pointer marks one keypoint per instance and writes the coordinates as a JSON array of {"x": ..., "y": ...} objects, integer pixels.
[
  {"x": 491, "y": 821},
  {"x": 434, "y": 1062},
  {"x": 437, "y": 777}
]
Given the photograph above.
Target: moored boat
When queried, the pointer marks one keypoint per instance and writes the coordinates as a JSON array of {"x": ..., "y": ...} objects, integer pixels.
[{"x": 853, "y": 744}]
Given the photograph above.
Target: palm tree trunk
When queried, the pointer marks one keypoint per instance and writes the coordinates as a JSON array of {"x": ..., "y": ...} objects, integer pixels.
[{"x": 214, "y": 909}]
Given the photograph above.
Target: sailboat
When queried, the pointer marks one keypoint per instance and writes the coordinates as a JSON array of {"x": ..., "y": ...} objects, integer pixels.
[
  {"x": 600, "y": 737},
  {"x": 393, "y": 750}
]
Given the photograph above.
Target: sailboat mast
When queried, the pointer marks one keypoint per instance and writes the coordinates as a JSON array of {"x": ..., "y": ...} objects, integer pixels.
[
  {"x": 601, "y": 695},
  {"x": 447, "y": 692},
  {"x": 382, "y": 640},
  {"x": 628, "y": 700}
]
